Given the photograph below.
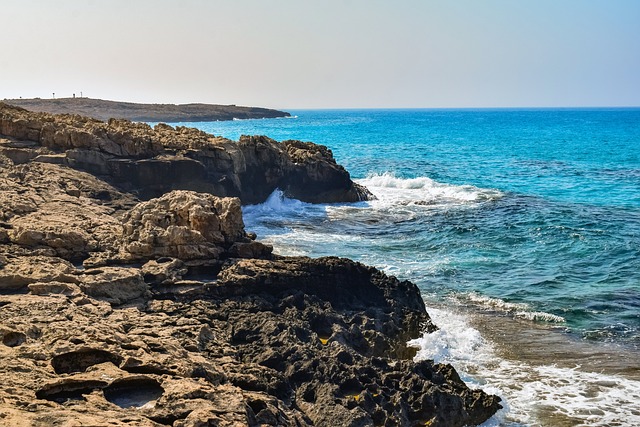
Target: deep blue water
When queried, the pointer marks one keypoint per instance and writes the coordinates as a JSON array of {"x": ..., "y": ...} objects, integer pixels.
[{"x": 530, "y": 213}]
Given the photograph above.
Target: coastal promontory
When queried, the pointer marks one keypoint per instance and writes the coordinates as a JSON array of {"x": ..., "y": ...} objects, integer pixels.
[
  {"x": 104, "y": 110},
  {"x": 132, "y": 295}
]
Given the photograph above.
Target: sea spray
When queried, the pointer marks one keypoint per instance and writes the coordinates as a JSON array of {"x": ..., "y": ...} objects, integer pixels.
[
  {"x": 533, "y": 394},
  {"x": 423, "y": 190}
]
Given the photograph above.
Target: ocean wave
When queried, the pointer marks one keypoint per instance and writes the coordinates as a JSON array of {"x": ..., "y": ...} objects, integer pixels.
[
  {"x": 533, "y": 394},
  {"x": 277, "y": 202},
  {"x": 424, "y": 190},
  {"x": 516, "y": 309}
]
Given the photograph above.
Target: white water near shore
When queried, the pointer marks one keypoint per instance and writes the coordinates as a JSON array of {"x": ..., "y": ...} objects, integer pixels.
[{"x": 536, "y": 390}]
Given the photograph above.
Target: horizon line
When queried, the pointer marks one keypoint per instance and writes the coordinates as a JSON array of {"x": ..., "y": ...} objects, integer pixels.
[
  {"x": 468, "y": 108},
  {"x": 527, "y": 107}
]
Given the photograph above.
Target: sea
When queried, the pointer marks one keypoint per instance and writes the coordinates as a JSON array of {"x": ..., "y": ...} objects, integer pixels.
[{"x": 521, "y": 227}]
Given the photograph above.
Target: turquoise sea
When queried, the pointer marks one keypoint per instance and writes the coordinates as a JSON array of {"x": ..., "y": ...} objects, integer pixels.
[{"x": 520, "y": 226}]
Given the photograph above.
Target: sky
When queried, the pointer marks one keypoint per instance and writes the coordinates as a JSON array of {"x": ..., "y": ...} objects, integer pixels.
[{"x": 297, "y": 54}]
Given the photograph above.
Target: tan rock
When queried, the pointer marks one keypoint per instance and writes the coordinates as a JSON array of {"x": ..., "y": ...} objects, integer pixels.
[
  {"x": 164, "y": 270},
  {"x": 19, "y": 272},
  {"x": 141, "y": 158},
  {"x": 184, "y": 225},
  {"x": 52, "y": 207},
  {"x": 54, "y": 287},
  {"x": 116, "y": 285}
]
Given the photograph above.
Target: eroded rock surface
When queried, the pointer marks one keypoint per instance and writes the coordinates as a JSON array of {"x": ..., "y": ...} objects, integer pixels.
[
  {"x": 116, "y": 311},
  {"x": 277, "y": 342}
]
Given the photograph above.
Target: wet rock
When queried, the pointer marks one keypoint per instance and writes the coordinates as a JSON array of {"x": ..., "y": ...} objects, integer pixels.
[{"x": 317, "y": 178}]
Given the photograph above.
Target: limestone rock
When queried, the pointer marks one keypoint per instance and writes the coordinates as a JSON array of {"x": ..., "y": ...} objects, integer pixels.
[
  {"x": 19, "y": 272},
  {"x": 54, "y": 288},
  {"x": 184, "y": 225},
  {"x": 116, "y": 285},
  {"x": 317, "y": 178},
  {"x": 164, "y": 271},
  {"x": 290, "y": 347},
  {"x": 59, "y": 211},
  {"x": 104, "y": 110}
]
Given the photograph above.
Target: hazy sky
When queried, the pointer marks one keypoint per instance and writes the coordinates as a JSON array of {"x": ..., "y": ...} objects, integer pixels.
[{"x": 325, "y": 53}]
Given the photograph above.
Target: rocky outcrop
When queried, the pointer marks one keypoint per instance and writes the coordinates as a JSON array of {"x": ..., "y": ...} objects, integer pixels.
[
  {"x": 116, "y": 311},
  {"x": 150, "y": 162},
  {"x": 185, "y": 225}
]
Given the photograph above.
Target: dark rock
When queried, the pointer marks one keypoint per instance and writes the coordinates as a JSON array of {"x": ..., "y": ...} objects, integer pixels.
[
  {"x": 80, "y": 360},
  {"x": 133, "y": 391}
]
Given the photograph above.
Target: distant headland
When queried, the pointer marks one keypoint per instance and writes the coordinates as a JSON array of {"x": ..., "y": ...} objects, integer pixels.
[{"x": 104, "y": 110}]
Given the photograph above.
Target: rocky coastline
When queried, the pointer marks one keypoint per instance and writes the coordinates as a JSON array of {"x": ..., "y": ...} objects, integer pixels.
[
  {"x": 102, "y": 109},
  {"x": 131, "y": 293}
]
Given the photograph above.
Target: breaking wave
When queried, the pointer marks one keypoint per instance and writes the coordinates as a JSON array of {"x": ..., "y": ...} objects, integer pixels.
[
  {"x": 532, "y": 394},
  {"x": 424, "y": 191},
  {"x": 515, "y": 309}
]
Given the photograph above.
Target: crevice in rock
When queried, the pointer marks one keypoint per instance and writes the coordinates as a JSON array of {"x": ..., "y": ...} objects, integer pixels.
[
  {"x": 170, "y": 419},
  {"x": 80, "y": 360},
  {"x": 351, "y": 387},
  {"x": 13, "y": 339},
  {"x": 69, "y": 390},
  {"x": 322, "y": 326},
  {"x": 203, "y": 273},
  {"x": 147, "y": 369},
  {"x": 133, "y": 392},
  {"x": 309, "y": 395}
]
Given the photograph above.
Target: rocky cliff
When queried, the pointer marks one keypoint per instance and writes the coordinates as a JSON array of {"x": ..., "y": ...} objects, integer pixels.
[
  {"x": 127, "y": 312},
  {"x": 149, "y": 162}
]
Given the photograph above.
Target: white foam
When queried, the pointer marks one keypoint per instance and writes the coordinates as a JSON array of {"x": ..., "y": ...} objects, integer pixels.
[
  {"x": 520, "y": 310},
  {"x": 278, "y": 204},
  {"x": 424, "y": 190},
  {"x": 532, "y": 395},
  {"x": 539, "y": 316}
]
